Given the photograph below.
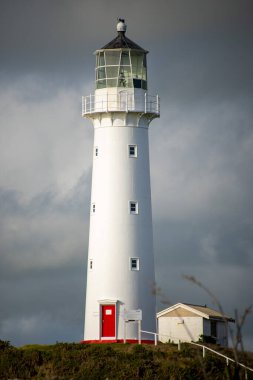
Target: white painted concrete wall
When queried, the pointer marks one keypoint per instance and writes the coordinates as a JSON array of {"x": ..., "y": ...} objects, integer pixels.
[
  {"x": 185, "y": 329},
  {"x": 115, "y": 234}
]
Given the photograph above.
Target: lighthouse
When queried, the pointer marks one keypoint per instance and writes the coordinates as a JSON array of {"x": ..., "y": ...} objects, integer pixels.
[{"x": 120, "y": 268}]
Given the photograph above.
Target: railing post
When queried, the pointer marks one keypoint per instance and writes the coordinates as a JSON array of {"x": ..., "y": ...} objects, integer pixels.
[
  {"x": 204, "y": 352},
  {"x": 107, "y": 102},
  {"x": 90, "y": 102},
  {"x": 125, "y": 331},
  {"x": 155, "y": 339},
  {"x": 179, "y": 345},
  {"x": 126, "y": 102},
  {"x": 157, "y": 103},
  {"x": 85, "y": 104},
  {"x": 139, "y": 332},
  {"x": 145, "y": 107}
]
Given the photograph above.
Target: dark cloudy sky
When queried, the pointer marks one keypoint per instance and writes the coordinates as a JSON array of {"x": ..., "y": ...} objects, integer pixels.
[{"x": 201, "y": 64}]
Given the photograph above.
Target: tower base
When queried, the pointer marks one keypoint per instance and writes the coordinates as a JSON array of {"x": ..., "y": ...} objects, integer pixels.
[{"x": 132, "y": 341}]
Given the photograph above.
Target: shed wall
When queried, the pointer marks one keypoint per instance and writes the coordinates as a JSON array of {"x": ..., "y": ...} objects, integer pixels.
[{"x": 185, "y": 329}]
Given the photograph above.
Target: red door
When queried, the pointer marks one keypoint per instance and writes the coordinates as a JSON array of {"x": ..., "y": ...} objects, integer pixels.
[{"x": 108, "y": 321}]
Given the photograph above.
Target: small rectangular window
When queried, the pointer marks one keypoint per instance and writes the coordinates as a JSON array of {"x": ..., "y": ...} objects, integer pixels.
[
  {"x": 93, "y": 208},
  {"x": 90, "y": 264},
  {"x": 133, "y": 207},
  {"x": 134, "y": 263},
  {"x": 132, "y": 150},
  {"x": 96, "y": 151},
  {"x": 213, "y": 328}
]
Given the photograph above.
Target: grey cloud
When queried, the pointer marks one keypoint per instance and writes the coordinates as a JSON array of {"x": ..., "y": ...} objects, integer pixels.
[
  {"x": 200, "y": 63},
  {"x": 43, "y": 266},
  {"x": 50, "y": 145},
  {"x": 46, "y": 36},
  {"x": 45, "y": 306}
]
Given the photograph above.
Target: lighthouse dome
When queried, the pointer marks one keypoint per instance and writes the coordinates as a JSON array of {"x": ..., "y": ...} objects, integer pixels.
[{"x": 121, "y": 26}]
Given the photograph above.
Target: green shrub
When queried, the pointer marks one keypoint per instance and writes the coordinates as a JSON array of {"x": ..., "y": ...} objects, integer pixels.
[{"x": 112, "y": 361}]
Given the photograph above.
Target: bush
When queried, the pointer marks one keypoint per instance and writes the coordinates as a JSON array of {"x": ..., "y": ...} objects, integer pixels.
[{"x": 110, "y": 361}]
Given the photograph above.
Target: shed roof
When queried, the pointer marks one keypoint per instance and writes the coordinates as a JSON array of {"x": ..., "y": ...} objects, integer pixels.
[{"x": 202, "y": 311}]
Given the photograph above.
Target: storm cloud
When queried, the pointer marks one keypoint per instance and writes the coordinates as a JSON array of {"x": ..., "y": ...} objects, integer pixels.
[{"x": 201, "y": 154}]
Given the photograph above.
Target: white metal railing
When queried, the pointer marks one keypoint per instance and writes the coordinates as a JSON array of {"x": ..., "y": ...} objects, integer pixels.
[
  {"x": 204, "y": 348},
  {"x": 121, "y": 102},
  {"x": 228, "y": 359}
]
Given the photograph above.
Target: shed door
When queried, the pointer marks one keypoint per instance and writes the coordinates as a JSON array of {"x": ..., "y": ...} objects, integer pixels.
[{"x": 108, "y": 321}]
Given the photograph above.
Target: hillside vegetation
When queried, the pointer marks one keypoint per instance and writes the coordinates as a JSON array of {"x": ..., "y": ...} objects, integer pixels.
[{"x": 73, "y": 361}]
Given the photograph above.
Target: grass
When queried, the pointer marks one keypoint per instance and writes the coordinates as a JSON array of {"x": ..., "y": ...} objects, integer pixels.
[{"x": 73, "y": 361}]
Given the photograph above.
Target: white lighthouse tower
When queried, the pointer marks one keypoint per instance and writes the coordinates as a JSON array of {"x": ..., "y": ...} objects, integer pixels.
[{"x": 120, "y": 270}]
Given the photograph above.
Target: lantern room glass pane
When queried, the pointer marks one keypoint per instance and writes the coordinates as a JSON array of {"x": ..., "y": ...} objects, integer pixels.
[
  {"x": 101, "y": 83},
  {"x": 124, "y": 76},
  {"x": 137, "y": 64},
  {"x": 137, "y": 83},
  {"x": 112, "y": 71},
  {"x": 112, "y": 58},
  {"x": 144, "y": 85},
  {"x": 130, "y": 83},
  {"x": 112, "y": 82},
  {"x": 144, "y": 73},
  {"x": 101, "y": 59},
  {"x": 101, "y": 73},
  {"x": 125, "y": 61},
  {"x": 145, "y": 61}
]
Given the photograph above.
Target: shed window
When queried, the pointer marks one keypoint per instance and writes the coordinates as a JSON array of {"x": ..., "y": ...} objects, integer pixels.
[{"x": 213, "y": 328}]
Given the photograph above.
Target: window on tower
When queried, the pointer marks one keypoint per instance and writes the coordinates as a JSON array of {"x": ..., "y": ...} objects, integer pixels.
[
  {"x": 90, "y": 264},
  {"x": 132, "y": 150},
  {"x": 133, "y": 207},
  {"x": 96, "y": 151},
  {"x": 93, "y": 208},
  {"x": 135, "y": 263}
]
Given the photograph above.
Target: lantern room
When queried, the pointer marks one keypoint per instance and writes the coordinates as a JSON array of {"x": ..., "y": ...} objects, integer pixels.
[{"x": 121, "y": 63}]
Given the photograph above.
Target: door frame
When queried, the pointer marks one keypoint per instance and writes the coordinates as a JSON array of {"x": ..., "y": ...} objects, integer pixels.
[{"x": 109, "y": 303}]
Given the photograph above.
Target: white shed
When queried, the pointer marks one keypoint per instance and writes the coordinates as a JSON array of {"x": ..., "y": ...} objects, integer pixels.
[{"x": 185, "y": 322}]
